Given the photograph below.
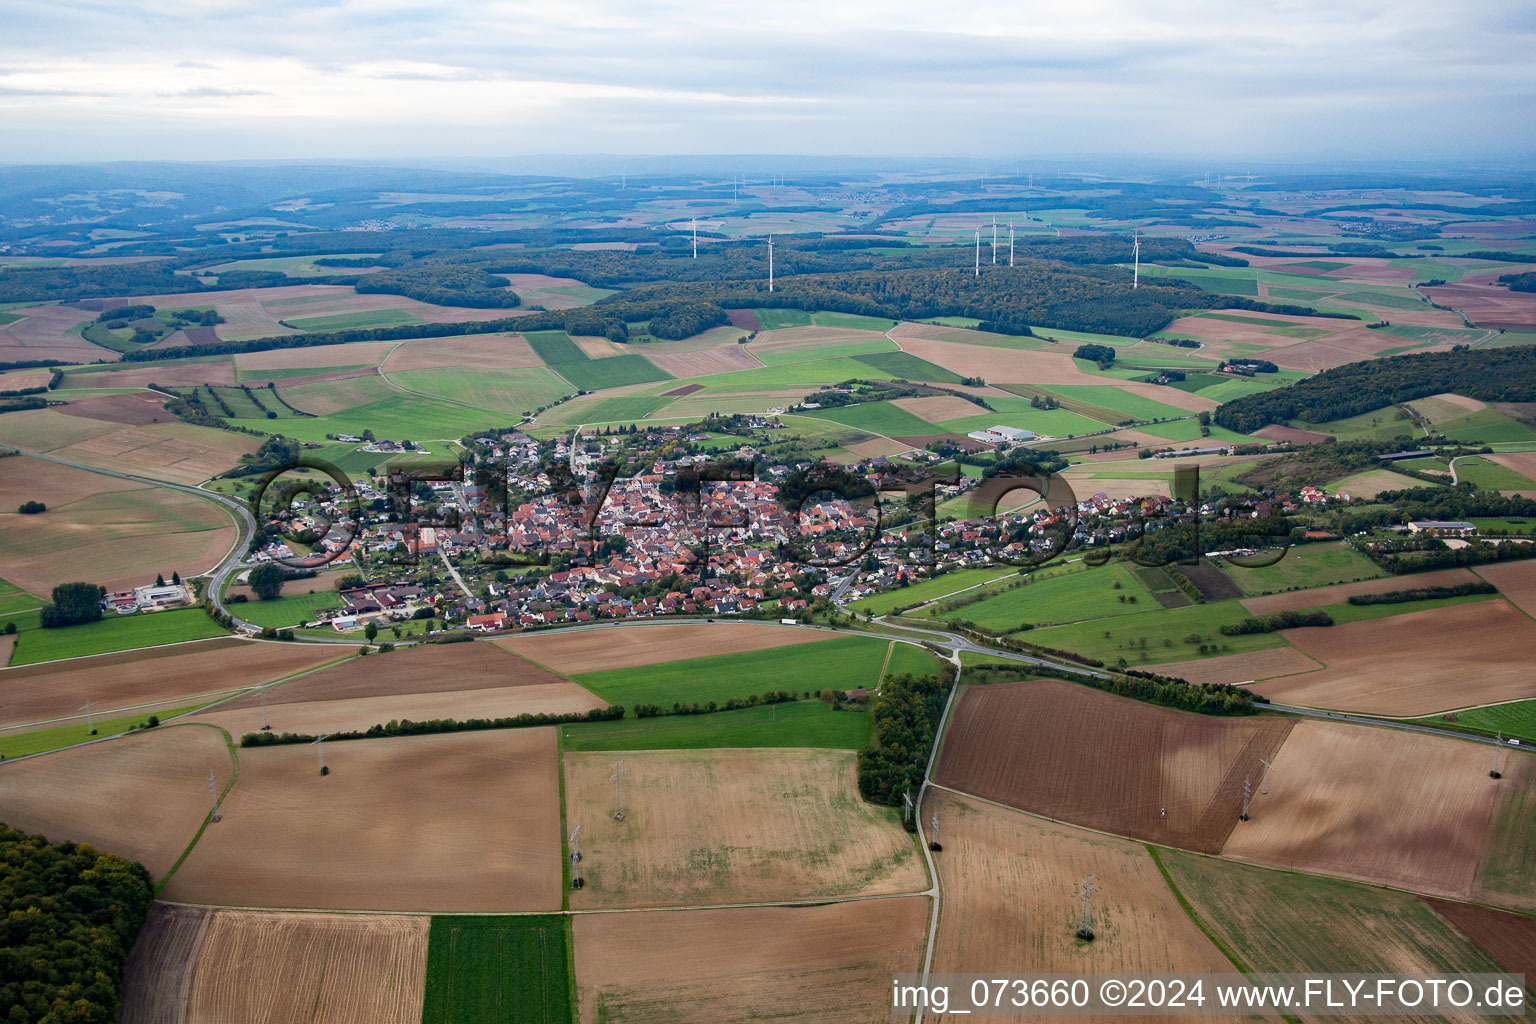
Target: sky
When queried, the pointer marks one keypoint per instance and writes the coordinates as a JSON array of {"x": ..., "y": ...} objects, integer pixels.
[{"x": 1254, "y": 79}]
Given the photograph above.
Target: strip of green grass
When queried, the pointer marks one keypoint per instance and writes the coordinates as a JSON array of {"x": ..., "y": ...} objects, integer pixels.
[
  {"x": 613, "y": 372},
  {"x": 22, "y": 743},
  {"x": 928, "y": 590},
  {"x": 348, "y": 321},
  {"x": 842, "y": 664},
  {"x": 497, "y": 970},
  {"x": 287, "y": 610},
  {"x": 114, "y": 633},
  {"x": 909, "y": 367},
  {"x": 1515, "y": 721},
  {"x": 805, "y": 723},
  {"x": 555, "y": 347}
]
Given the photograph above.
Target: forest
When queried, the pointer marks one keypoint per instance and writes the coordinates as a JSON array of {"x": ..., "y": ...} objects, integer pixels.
[
  {"x": 444, "y": 284},
  {"x": 1490, "y": 375},
  {"x": 68, "y": 917},
  {"x": 907, "y": 713}
]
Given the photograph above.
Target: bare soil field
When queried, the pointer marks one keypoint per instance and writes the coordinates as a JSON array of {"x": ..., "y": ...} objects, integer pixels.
[
  {"x": 804, "y": 964},
  {"x": 1368, "y": 485},
  {"x": 451, "y": 823},
  {"x": 686, "y": 389},
  {"x": 125, "y": 536},
  {"x": 296, "y": 302},
  {"x": 877, "y": 448},
  {"x": 472, "y": 666},
  {"x": 266, "y": 968},
  {"x": 22, "y": 478},
  {"x": 937, "y": 408},
  {"x": 593, "y": 650},
  {"x": 998, "y": 364},
  {"x": 1291, "y": 435},
  {"x": 1008, "y": 883},
  {"x": 1341, "y": 592},
  {"x": 598, "y": 347},
  {"x": 1075, "y": 754},
  {"x": 743, "y": 318},
  {"x": 1085, "y": 487},
  {"x": 1523, "y": 463},
  {"x": 938, "y": 332},
  {"x": 1414, "y": 664},
  {"x": 478, "y": 351},
  {"x": 1377, "y": 805},
  {"x": 1509, "y": 938},
  {"x": 141, "y": 797},
  {"x": 1238, "y": 668},
  {"x": 18, "y": 380},
  {"x": 702, "y": 364},
  {"x": 142, "y": 375},
  {"x": 134, "y": 410},
  {"x": 1515, "y": 580},
  {"x": 318, "y": 717},
  {"x": 705, "y": 827},
  {"x": 176, "y": 675},
  {"x": 43, "y": 333},
  {"x": 357, "y": 353},
  {"x": 1488, "y": 305},
  {"x": 178, "y": 452},
  {"x": 157, "y": 980},
  {"x": 44, "y": 430}
]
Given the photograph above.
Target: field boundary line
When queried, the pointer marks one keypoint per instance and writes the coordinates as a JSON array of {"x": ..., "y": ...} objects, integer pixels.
[{"x": 936, "y": 888}]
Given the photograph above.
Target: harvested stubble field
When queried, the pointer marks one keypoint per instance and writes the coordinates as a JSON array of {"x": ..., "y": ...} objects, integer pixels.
[
  {"x": 706, "y": 363},
  {"x": 263, "y": 968},
  {"x": 791, "y": 337},
  {"x": 1376, "y": 805},
  {"x": 1075, "y": 754},
  {"x": 999, "y": 364},
  {"x": 147, "y": 679},
  {"x": 705, "y": 827},
  {"x": 1414, "y": 664},
  {"x": 1238, "y": 668},
  {"x": 133, "y": 410},
  {"x": 1317, "y": 597},
  {"x": 804, "y": 964},
  {"x": 44, "y": 333},
  {"x": 142, "y": 797},
  {"x": 1008, "y": 881},
  {"x": 595, "y": 650},
  {"x": 454, "y": 823},
  {"x": 318, "y": 717},
  {"x": 178, "y": 452},
  {"x": 478, "y": 351},
  {"x": 1290, "y": 435}
]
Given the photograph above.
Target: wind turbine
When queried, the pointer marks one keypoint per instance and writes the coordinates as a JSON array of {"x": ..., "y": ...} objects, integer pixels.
[
  {"x": 1136, "y": 251},
  {"x": 978, "y": 252},
  {"x": 994, "y": 241},
  {"x": 770, "y": 263},
  {"x": 1010, "y": 243},
  {"x": 695, "y": 238}
]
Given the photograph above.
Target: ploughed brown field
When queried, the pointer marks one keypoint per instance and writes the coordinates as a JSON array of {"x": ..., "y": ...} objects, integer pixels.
[
  {"x": 150, "y": 679},
  {"x": 725, "y": 359},
  {"x": 1238, "y": 668},
  {"x": 1009, "y": 879},
  {"x": 476, "y": 351},
  {"x": 1376, "y": 805},
  {"x": 141, "y": 797},
  {"x": 451, "y": 823},
  {"x": 593, "y": 650},
  {"x": 134, "y": 410},
  {"x": 179, "y": 452},
  {"x": 1317, "y": 597},
  {"x": 804, "y": 964},
  {"x": 1292, "y": 435},
  {"x": 1489, "y": 305},
  {"x": 1509, "y": 938},
  {"x": 1415, "y": 664},
  {"x": 794, "y": 337},
  {"x": 1515, "y": 580},
  {"x": 192, "y": 964},
  {"x": 1077, "y": 755},
  {"x": 707, "y": 827}
]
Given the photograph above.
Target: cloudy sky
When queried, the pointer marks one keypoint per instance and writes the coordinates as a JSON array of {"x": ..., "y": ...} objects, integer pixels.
[{"x": 1238, "y": 79}]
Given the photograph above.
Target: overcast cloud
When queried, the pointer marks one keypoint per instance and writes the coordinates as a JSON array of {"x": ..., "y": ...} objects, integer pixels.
[{"x": 1282, "y": 79}]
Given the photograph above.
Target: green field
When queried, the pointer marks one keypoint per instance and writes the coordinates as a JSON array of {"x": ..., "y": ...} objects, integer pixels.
[
  {"x": 348, "y": 321},
  {"x": 1509, "y": 865},
  {"x": 375, "y": 405},
  {"x": 555, "y": 347},
  {"x": 906, "y": 366},
  {"x": 787, "y": 376},
  {"x": 1303, "y": 567},
  {"x": 829, "y": 350},
  {"x": 1380, "y": 425},
  {"x": 1166, "y": 634},
  {"x": 612, "y": 410},
  {"x": 927, "y": 590},
  {"x": 852, "y": 321},
  {"x": 778, "y": 319},
  {"x": 253, "y": 404},
  {"x": 909, "y": 658},
  {"x": 612, "y": 372},
  {"x": 498, "y": 970},
  {"x": 845, "y": 663},
  {"x": 38, "y": 741},
  {"x": 1279, "y": 921},
  {"x": 1515, "y": 721},
  {"x": 878, "y": 418},
  {"x": 1486, "y": 425},
  {"x": 114, "y": 633},
  {"x": 802, "y": 723},
  {"x": 1080, "y": 594},
  {"x": 290, "y": 609},
  {"x": 1018, "y": 413},
  {"x": 1107, "y": 396},
  {"x": 509, "y": 392}
]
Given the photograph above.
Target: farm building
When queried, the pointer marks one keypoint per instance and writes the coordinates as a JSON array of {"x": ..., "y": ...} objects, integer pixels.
[
  {"x": 1001, "y": 434},
  {"x": 1442, "y": 528}
]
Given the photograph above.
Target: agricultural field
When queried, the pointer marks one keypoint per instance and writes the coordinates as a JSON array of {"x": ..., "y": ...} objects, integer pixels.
[
  {"x": 1513, "y": 720},
  {"x": 573, "y": 651},
  {"x": 1084, "y": 593},
  {"x": 512, "y": 969},
  {"x": 929, "y": 590},
  {"x": 1074, "y": 754},
  {"x": 1008, "y": 879},
  {"x": 1155, "y": 636},
  {"x": 803, "y": 723},
  {"x": 1303, "y": 567},
  {"x": 705, "y": 827},
  {"x": 845, "y": 663},
  {"x": 114, "y": 633},
  {"x": 823, "y": 964},
  {"x": 513, "y": 393},
  {"x": 142, "y": 797},
  {"x": 468, "y": 823}
]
